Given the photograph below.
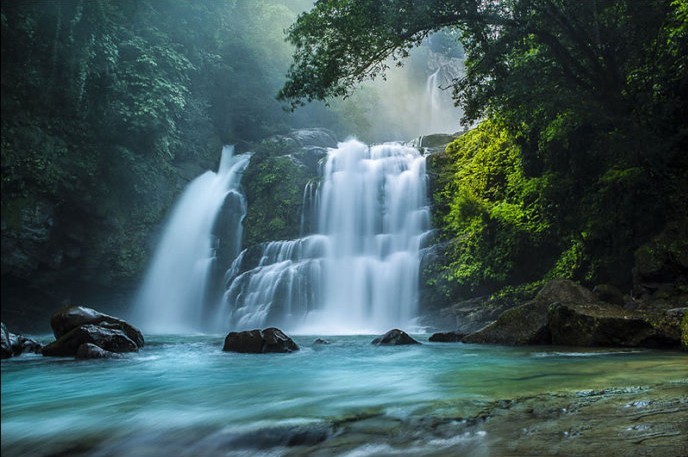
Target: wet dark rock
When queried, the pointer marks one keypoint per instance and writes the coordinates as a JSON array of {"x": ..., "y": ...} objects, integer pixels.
[
  {"x": 320, "y": 341},
  {"x": 5, "y": 343},
  {"x": 567, "y": 314},
  {"x": 522, "y": 325},
  {"x": 257, "y": 341},
  {"x": 447, "y": 337},
  {"x": 610, "y": 294},
  {"x": 394, "y": 337},
  {"x": 70, "y": 317},
  {"x": 12, "y": 345},
  {"x": 109, "y": 339},
  {"x": 266, "y": 438},
  {"x": 91, "y": 351},
  {"x": 529, "y": 323}
]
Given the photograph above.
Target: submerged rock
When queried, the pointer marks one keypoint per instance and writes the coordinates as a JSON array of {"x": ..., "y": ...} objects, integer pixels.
[
  {"x": 70, "y": 317},
  {"x": 258, "y": 341},
  {"x": 320, "y": 341},
  {"x": 12, "y": 345},
  {"x": 91, "y": 351},
  {"x": 109, "y": 339},
  {"x": 447, "y": 337},
  {"x": 394, "y": 337}
]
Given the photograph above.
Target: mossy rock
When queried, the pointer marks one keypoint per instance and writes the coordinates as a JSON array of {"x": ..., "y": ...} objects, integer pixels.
[
  {"x": 684, "y": 332},
  {"x": 522, "y": 325}
]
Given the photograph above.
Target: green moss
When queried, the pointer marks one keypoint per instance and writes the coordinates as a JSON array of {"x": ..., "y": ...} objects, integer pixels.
[{"x": 273, "y": 184}]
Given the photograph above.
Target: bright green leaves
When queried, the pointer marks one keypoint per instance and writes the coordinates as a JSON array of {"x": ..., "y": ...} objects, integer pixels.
[{"x": 494, "y": 219}]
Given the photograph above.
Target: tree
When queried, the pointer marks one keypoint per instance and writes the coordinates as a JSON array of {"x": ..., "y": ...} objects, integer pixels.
[{"x": 593, "y": 93}]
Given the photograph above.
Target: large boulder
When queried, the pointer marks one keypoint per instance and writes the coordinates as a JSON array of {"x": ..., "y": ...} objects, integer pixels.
[
  {"x": 660, "y": 273},
  {"x": 610, "y": 294},
  {"x": 394, "y": 337},
  {"x": 68, "y": 318},
  {"x": 447, "y": 337},
  {"x": 596, "y": 324},
  {"x": 529, "y": 323},
  {"x": 5, "y": 343},
  {"x": 13, "y": 345},
  {"x": 522, "y": 325},
  {"x": 91, "y": 351},
  {"x": 109, "y": 339},
  {"x": 602, "y": 324},
  {"x": 257, "y": 341},
  {"x": 567, "y": 314}
]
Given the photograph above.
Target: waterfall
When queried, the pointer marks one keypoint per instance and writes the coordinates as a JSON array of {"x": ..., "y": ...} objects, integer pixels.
[
  {"x": 439, "y": 113},
  {"x": 177, "y": 289},
  {"x": 432, "y": 95},
  {"x": 357, "y": 271}
]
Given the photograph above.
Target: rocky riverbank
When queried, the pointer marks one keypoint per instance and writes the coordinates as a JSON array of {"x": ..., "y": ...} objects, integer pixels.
[{"x": 614, "y": 422}]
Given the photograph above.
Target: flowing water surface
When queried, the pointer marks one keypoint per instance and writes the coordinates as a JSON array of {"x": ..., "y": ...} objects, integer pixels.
[{"x": 185, "y": 392}]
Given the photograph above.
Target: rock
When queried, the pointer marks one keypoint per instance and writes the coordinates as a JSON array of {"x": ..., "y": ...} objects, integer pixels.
[
  {"x": 447, "y": 337},
  {"x": 521, "y": 325},
  {"x": 14, "y": 345},
  {"x": 529, "y": 323},
  {"x": 259, "y": 341},
  {"x": 110, "y": 339},
  {"x": 5, "y": 343},
  {"x": 684, "y": 332},
  {"x": 320, "y": 341},
  {"x": 564, "y": 291},
  {"x": 394, "y": 337},
  {"x": 610, "y": 294},
  {"x": 70, "y": 317},
  {"x": 603, "y": 324},
  {"x": 660, "y": 273},
  {"x": 91, "y": 351}
]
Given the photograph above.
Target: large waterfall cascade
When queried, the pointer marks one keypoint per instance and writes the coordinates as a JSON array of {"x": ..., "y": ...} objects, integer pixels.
[
  {"x": 357, "y": 272},
  {"x": 176, "y": 291}
]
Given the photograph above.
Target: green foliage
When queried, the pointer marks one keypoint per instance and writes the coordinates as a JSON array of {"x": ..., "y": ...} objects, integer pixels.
[
  {"x": 591, "y": 100},
  {"x": 493, "y": 217},
  {"x": 102, "y": 101}
]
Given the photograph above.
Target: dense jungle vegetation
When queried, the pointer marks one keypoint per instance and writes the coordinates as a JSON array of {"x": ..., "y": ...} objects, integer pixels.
[
  {"x": 581, "y": 155},
  {"x": 110, "y": 107}
]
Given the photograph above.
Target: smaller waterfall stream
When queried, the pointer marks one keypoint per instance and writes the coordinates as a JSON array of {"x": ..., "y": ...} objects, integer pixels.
[
  {"x": 176, "y": 291},
  {"x": 358, "y": 273}
]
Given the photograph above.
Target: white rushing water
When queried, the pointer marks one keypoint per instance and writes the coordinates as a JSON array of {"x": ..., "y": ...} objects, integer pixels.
[
  {"x": 175, "y": 291},
  {"x": 358, "y": 273}
]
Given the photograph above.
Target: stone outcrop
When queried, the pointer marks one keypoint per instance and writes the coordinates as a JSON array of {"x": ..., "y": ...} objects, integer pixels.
[
  {"x": 76, "y": 326},
  {"x": 91, "y": 351},
  {"x": 12, "y": 345},
  {"x": 565, "y": 313},
  {"x": 394, "y": 337},
  {"x": 257, "y": 341},
  {"x": 610, "y": 294},
  {"x": 447, "y": 337},
  {"x": 70, "y": 317},
  {"x": 109, "y": 339},
  {"x": 522, "y": 325}
]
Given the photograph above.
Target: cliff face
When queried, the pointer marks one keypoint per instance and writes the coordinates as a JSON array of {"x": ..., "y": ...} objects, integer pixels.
[
  {"x": 59, "y": 252},
  {"x": 95, "y": 250}
]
